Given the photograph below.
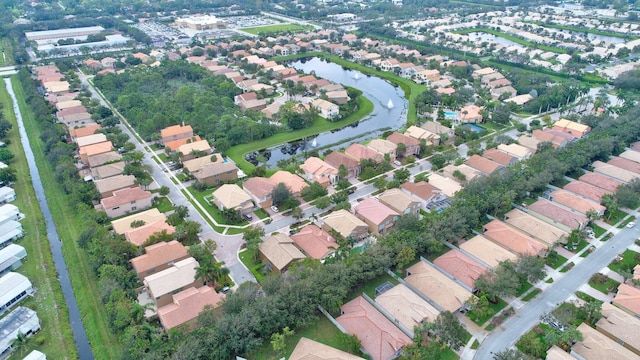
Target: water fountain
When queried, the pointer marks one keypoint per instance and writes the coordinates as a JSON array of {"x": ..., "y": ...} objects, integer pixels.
[{"x": 390, "y": 104}]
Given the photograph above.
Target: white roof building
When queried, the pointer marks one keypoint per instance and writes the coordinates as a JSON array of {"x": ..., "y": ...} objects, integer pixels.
[
  {"x": 14, "y": 287},
  {"x": 10, "y": 257},
  {"x": 7, "y": 194},
  {"x": 22, "y": 320},
  {"x": 9, "y": 212},
  {"x": 9, "y": 231}
]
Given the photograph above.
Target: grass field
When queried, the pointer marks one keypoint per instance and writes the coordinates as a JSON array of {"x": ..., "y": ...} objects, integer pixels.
[
  {"x": 5, "y": 48},
  {"x": 55, "y": 339},
  {"x": 276, "y": 29},
  {"x": 513, "y": 38},
  {"x": 320, "y": 125},
  {"x": 70, "y": 224},
  {"x": 583, "y": 30},
  {"x": 629, "y": 259}
]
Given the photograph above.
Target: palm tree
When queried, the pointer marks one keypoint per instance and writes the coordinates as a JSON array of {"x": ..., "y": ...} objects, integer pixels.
[{"x": 211, "y": 272}]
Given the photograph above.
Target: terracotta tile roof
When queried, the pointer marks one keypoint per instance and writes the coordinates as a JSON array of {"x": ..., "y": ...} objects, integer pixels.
[
  {"x": 601, "y": 181},
  {"x": 84, "y": 130},
  {"x": 614, "y": 171},
  {"x": 307, "y": 349},
  {"x": 513, "y": 239},
  {"x": 398, "y": 138},
  {"x": 294, "y": 182},
  {"x": 635, "y": 146},
  {"x": 587, "y": 190},
  {"x": 498, "y": 156},
  {"x": 336, "y": 159},
  {"x": 620, "y": 325},
  {"x": 446, "y": 185},
  {"x": 485, "y": 165},
  {"x": 531, "y": 225},
  {"x": 318, "y": 167},
  {"x": 280, "y": 250},
  {"x": 94, "y": 149},
  {"x": 382, "y": 146},
  {"x": 571, "y": 127},
  {"x": 138, "y": 236},
  {"x": 376, "y": 333},
  {"x": 597, "y": 346},
  {"x": 174, "y": 145},
  {"x": 487, "y": 251},
  {"x": 114, "y": 183},
  {"x": 555, "y": 353},
  {"x": 628, "y": 297},
  {"x": 422, "y": 189},
  {"x": 516, "y": 150},
  {"x": 575, "y": 202},
  {"x": 315, "y": 242},
  {"x": 181, "y": 274},
  {"x": 91, "y": 139},
  {"x": 109, "y": 170},
  {"x": 406, "y": 306},
  {"x": 72, "y": 110},
  {"x": 568, "y": 218},
  {"x": 100, "y": 159},
  {"x": 124, "y": 196},
  {"x": 196, "y": 164},
  {"x": 445, "y": 292},
  {"x": 159, "y": 254},
  {"x": 625, "y": 164},
  {"x": 259, "y": 186},
  {"x": 176, "y": 130},
  {"x": 461, "y": 267},
  {"x": 198, "y": 145},
  {"x": 360, "y": 152},
  {"x": 374, "y": 211},
  {"x": 187, "y": 304}
]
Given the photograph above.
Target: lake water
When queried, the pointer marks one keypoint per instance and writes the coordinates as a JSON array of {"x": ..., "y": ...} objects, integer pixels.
[
  {"x": 377, "y": 90},
  {"x": 479, "y": 37}
]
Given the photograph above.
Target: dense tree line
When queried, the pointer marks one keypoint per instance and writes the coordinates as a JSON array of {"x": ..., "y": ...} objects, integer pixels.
[{"x": 177, "y": 92}]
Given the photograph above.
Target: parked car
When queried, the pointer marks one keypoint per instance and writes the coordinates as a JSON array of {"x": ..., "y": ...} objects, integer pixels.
[
  {"x": 631, "y": 224},
  {"x": 397, "y": 163},
  {"x": 292, "y": 231},
  {"x": 350, "y": 191},
  {"x": 275, "y": 208},
  {"x": 248, "y": 217}
]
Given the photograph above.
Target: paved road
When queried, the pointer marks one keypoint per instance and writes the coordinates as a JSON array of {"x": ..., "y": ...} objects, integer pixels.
[
  {"x": 527, "y": 316},
  {"x": 228, "y": 245}
]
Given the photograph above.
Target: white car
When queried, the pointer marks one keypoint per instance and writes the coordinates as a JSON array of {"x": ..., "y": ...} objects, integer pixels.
[
  {"x": 275, "y": 208},
  {"x": 631, "y": 224},
  {"x": 397, "y": 163}
]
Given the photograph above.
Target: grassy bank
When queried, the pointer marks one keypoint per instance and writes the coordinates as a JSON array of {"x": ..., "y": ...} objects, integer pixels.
[
  {"x": 583, "y": 30},
  {"x": 512, "y": 38},
  {"x": 275, "y": 29},
  {"x": 320, "y": 125},
  {"x": 69, "y": 223},
  {"x": 55, "y": 339},
  {"x": 5, "y": 47},
  {"x": 410, "y": 88}
]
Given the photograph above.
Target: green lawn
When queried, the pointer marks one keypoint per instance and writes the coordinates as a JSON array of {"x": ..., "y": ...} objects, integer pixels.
[
  {"x": 475, "y": 344},
  {"x": 513, "y": 38},
  {"x": 164, "y": 205},
  {"x": 322, "y": 331},
  {"x": 490, "y": 327},
  {"x": 597, "y": 230},
  {"x": 261, "y": 213},
  {"x": 625, "y": 222},
  {"x": 211, "y": 209},
  {"x": 605, "y": 287},
  {"x": 70, "y": 224},
  {"x": 495, "y": 308},
  {"x": 55, "y": 338},
  {"x": 277, "y": 28},
  {"x": 568, "y": 267},
  {"x": 5, "y": 46},
  {"x": 586, "y": 297},
  {"x": 527, "y": 285},
  {"x": 617, "y": 216},
  {"x": 369, "y": 287},
  {"x": 628, "y": 258},
  {"x": 247, "y": 259},
  {"x": 531, "y": 295},
  {"x": 555, "y": 260},
  {"x": 320, "y": 125}
]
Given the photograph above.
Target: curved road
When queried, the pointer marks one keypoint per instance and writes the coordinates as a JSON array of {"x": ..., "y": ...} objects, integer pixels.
[
  {"x": 527, "y": 316},
  {"x": 79, "y": 334}
]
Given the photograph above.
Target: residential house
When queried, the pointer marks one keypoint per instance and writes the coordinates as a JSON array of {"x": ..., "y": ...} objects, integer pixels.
[
  {"x": 140, "y": 235},
  {"x": 307, "y": 349},
  {"x": 76, "y": 132},
  {"x": 434, "y": 127},
  {"x": 196, "y": 164},
  {"x": 500, "y": 157},
  {"x": 487, "y": 251},
  {"x": 378, "y": 336},
  {"x": 346, "y": 224},
  {"x": 11, "y": 258},
  {"x": 159, "y": 257},
  {"x": 339, "y": 97},
  {"x": 10, "y": 231},
  {"x": 56, "y": 87},
  {"x": 389, "y": 64},
  {"x": 628, "y": 299},
  {"x": 470, "y": 114},
  {"x": 336, "y": 159},
  {"x": 175, "y": 132},
  {"x": 79, "y": 119},
  {"x": 407, "y": 307},
  {"x": 271, "y": 110},
  {"x": 231, "y": 196},
  {"x": 253, "y": 105},
  {"x": 604, "y": 182},
  {"x": 293, "y": 182},
  {"x": 278, "y": 252},
  {"x": 530, "y": 142},
  {"x": 315, "y": 242},
  {"x": 178, "y": 277},
  {"x": 446, "y": 293},
  {"x": 411, "y": 145},
  {"x": 422, "y": 134},
  {"x": 614, "y": 171},
  {"x": 427, "y": 194},
  {"x": 216, "y": 173},
  {"x": 259, "y": 189},
  {"x": 571, "y": 127},
  {"x": 103, "y": 158},
  {"x": 554, "y": 214},
  {"x": 428, "y": 76},
  {"x": 461, "y": 173},
  {"x": 486, "y": 79},
  {"x": 626, "y": 164},
  {"x": 15, "y": 287},
  {"x": 108, "y": 62},
  {"x": 460, "y": 266},
  {"x": 360, "y": 152},
  {"x": 446, "y": 185},
  {"x": 316, "y": 169},
  {"x": 7, "y": 195},
  {"x": 379, "y": 217},
  {"x": 327, "y": 109},
  {"x": 72, "y": 110},
  {"x": 542, "y": 230},
  {"x": 620, "y": 326},
  {"x": 106, "y": 187},
  {"x": 597, "y": 346},
  {"x": 9, "y": 212},
  {"x": 478, "y": 74},
  {"x": 556, "y": 353},
  {"x": 187, "y": 305},
  {"x": 20, "y": 322},
  {"x": 194, "y": 149},
  {"x": 504, "y": 92},
  {"x": 67, "y": 104},
  {"x": 518, "y": 151},
  {"x": 577, "y": 203},
  {"x": 632, "y": 155},
  {"x": 94, "y": 149},
  {"x": 107, "y": 171},
  {"x": 552, "y": 136},
  {"x": 400, "y": 202},
  {"x": 123, "y": 225},
  {"x": 586, "y": 190},
  {"x": 512, "y": 239},
  {"x": 499, "y": 83},
  {"x": 244, "y": 97},
  {"x": 482, "y": 164},
  {"x": 383, "y": 147},
  {"x": 125, "y": 201}
]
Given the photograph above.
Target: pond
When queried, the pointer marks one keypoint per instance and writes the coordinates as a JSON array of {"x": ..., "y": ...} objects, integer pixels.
[
  {"x": 478, "y": 37},
  {"x": 380, "y": 92}
]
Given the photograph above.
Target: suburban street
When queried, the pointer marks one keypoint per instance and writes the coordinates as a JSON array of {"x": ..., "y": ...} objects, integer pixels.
[{"x": 527, "y": 316}]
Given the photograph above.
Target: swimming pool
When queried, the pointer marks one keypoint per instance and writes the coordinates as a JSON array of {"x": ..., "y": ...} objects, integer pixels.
[{"x": 450, "y": 114}]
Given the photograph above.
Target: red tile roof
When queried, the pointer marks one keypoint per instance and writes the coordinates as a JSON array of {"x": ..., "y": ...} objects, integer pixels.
[
  {"x": 187, "y": 305},
  {"x": 461, "y": 266},
  {"x": 601, "y": 181},
  {"x": 513, "y": 239},
  {"x": 159, "y": 254},
  {"x": 315, "y": 242},
  {"x": 483, "y": 164},
  {"x": 587, "y": 190},
  {"x": 374, "y": 211},
  {"x": 498, "y": 156}
]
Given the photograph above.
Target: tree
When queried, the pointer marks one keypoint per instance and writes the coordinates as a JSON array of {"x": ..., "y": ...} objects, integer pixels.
[
  {"x": 313, "y": 191},
  {"x": 480, "y": 306},
  {"x": 501, "y": 114},
  {"x": 438, "y": 161},
  {"x": 530, "y": 267},
  {"x": 530, "y": 344},
  {"x": 343, "y": 172},
  {"x": 278, "y": 339},
  {"x": 566, "y": 336},
  {"x": 7, "y": 176},
  {"x": 401, "y": 175},
  {"x": 405, "y": 256},
  {"x": 380, "y": 183},
  {"x": 187, "y": 232},
  {"x": 5, "y": 126},
  {"x": 6, "y": 156},
  {"x": 511, "y": 354},
  {"x": 144, "y": 181},
  {"x": 280, "y": 194},
  {"x": 164, "y": 191},
  {"x": 323, "y": 202},
  {"x": 253, "y": 237},
  {"x": 503, "y": 281},
  {"x": 449, "y": 330},
  {"x": 296, "y": 213},
  {"x": 609, "y": 201}
]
